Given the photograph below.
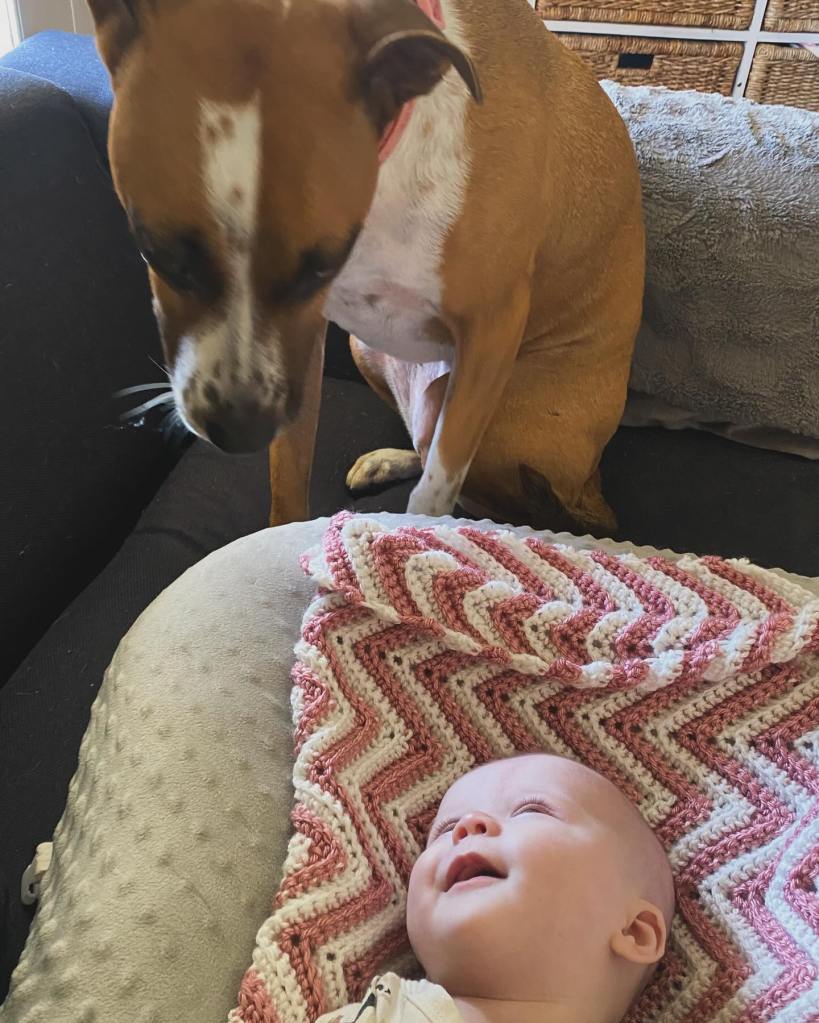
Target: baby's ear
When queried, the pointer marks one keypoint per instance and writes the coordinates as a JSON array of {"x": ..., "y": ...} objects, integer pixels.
[{"x": 642, "y": 940}]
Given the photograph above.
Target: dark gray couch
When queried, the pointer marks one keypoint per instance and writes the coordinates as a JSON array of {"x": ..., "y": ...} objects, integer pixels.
[{"x": 97, "y": 517}]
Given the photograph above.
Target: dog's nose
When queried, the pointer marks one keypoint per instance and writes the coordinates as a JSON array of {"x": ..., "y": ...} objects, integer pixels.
[{"x": 240, "y": 428}]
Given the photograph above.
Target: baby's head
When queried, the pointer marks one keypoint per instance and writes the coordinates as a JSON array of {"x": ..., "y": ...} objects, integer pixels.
[{"x": 540, "y": 882}]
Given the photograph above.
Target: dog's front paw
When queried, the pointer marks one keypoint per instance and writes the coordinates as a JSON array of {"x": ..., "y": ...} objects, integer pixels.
[{"x": 378, "y": 468}]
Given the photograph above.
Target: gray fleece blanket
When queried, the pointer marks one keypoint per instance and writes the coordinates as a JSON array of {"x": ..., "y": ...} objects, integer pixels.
[{"x": 731, "y": 197}]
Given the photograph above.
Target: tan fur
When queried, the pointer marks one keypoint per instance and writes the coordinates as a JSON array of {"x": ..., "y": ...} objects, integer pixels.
[
  {"x": 178, "y": 57},
  {"x": 542, "y": 273},
  {"x": 555, "y": 384},
  {"x": 291, "y": 453}
]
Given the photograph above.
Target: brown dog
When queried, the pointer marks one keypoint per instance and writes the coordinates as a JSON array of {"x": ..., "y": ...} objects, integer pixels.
[{"x": 444, "y": 180}]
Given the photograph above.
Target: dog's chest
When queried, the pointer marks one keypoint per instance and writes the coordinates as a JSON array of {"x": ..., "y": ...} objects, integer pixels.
[{"x": 390, "y": 293}]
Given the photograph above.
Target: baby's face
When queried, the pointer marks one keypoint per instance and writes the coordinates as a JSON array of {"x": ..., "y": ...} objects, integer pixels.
[{"x": 527, "y": 858}]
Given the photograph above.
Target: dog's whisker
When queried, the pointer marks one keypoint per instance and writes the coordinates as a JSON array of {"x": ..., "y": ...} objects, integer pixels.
[
  {"x": 174, "y": 430},
  {"x": 140, "y": 387},
  {"x": 162, "y": 369},
  {"x": 160, "y": 399},
  {"x": 173, "y": 421}
]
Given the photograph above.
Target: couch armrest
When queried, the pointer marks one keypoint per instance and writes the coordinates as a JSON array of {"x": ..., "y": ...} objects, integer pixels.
[
  {"x": 75, "y": 326},
  {"x": 72, "y": 63}
]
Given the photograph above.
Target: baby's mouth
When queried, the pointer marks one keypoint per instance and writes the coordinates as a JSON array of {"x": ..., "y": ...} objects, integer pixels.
[{"x": 469, "y": 867}]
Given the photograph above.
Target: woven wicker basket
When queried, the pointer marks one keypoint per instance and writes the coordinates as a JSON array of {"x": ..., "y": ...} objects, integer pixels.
[
  {"x": 734, "y": 14},
  {"x": 676, "y": 64},
  {"x": 782, "y": 75},
  {"x": 792, "y": 16}
]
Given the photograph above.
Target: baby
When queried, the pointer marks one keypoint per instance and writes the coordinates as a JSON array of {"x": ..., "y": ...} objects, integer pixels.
[{"x": 542, "y": 896}]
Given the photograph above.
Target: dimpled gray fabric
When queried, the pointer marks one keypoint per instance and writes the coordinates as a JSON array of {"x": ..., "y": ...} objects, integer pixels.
[
  {"x": 164, "y": 859},
  {"x": 169, "y": 852}
]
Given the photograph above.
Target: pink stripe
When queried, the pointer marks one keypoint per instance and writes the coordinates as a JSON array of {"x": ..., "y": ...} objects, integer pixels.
[
  {"x": 509, "y": 618},
  {"x": 635, "y": 639},
  {"x": 254, "y": 1001},
  {"x": 593, "y": 594},
  {"x": 768, "y": 597},
  {"x": 338, "y": 561},
  {"x": 505, "y": 557}
]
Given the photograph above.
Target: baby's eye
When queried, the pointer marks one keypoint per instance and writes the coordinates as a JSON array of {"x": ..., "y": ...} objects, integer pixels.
[
  {"x": 533, "y": 806},
  {"x": 441, "y": 829}
]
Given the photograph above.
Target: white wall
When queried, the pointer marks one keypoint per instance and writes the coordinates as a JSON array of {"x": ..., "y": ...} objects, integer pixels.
[
  {"x": 68, "y": 15},
  {"x": 9, "y": 32}
]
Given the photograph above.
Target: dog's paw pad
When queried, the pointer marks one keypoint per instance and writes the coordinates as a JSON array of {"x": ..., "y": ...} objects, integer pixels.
[{"x": 378, "y": 468}]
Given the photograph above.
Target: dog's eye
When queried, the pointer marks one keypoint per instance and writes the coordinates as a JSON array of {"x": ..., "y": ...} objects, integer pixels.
[
  {"x": 313, "y": 274},
  {"x": 170, "y": 262},
  {"x": 317, "y": 267},
  {"x": 316, "y": 271},
  {"x": 321, "y": 270},
  {"x": 180, "y": 261}
]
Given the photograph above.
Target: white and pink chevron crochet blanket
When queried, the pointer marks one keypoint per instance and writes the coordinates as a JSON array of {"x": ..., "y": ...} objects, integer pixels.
[{"x": 693, "y": 685}]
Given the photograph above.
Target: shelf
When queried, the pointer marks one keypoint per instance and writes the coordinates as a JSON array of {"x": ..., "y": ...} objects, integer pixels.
[{"x": 749, "y": 37}]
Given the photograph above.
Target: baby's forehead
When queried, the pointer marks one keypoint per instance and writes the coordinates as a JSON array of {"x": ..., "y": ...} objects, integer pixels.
[{"x": 528, "y": 775}]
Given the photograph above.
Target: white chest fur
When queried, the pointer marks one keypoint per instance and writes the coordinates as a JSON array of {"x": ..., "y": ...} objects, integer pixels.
[{"x": 391, "y": 288}]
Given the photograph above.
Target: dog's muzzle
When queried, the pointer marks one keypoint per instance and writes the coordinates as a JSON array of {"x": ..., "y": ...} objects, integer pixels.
[{"x": 240, "y": 427}]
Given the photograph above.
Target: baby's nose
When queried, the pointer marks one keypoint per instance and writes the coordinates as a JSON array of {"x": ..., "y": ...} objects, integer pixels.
[{"x": 475, "y": 823}]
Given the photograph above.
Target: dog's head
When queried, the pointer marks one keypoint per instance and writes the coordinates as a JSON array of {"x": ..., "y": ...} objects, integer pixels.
[{"x": 244, "y": 147}]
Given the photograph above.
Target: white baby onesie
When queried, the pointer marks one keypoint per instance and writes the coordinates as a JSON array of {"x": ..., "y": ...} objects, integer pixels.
[{"x": 391, "y": 999}]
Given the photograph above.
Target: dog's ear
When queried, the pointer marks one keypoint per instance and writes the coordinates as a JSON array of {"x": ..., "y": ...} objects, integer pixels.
[
  {"x": 117, "y": 25},
  {"x": 404, "y": 55}
]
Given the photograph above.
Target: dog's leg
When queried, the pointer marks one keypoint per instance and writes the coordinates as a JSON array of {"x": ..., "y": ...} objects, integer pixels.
[
  {"x": 543, "y": 474},
  {"x": 375, "y": 367},
  {"x": 416, "y": 392},
  {"x": 291, "y": 453},
  {"x": 571, "y": 400},
  {"x": 484, "y": 361}
]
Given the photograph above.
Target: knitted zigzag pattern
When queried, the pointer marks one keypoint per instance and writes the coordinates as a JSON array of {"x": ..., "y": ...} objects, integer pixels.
[{"x": 693, "y": 686}]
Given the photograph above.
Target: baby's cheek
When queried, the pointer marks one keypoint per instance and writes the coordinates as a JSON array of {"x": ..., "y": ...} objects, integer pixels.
[
  {"x": 417, "y": 899},
  {"x": 419, "y": 876},
  {"x": 420, "y": 889}
]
